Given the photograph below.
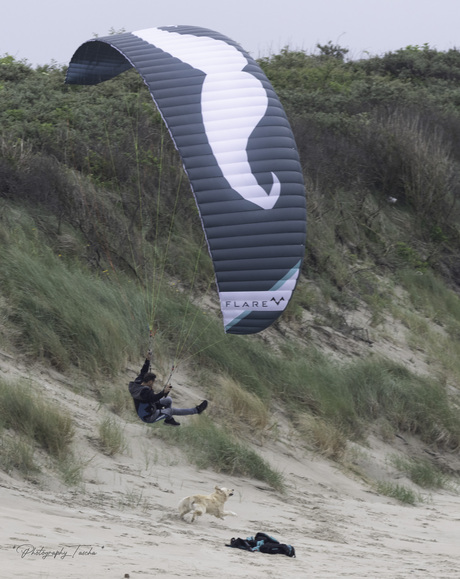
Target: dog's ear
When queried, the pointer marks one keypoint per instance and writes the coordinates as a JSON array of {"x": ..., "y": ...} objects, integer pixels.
[{"x": 217, "y": 488}]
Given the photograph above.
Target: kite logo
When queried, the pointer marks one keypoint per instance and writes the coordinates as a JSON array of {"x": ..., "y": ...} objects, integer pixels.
[
  {"x": 247, "y": 304},
  {"x": 254, "y": 301}
]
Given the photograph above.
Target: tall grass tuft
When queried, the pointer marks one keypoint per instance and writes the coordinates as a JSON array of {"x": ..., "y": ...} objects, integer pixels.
[
  {"x": 70, "y": 469},
  {"x": 399, "y": 492},
  {"x": 18, "y": 453},
  {"x": 111, "y": 436},
  {"x": 115, "y": 396},
  {"x": 29, "y": 414},
  {"x": 209, "y": 446},
  {"x": 236, "y": 406},
  {"x": 325, "y": 437},
  {"x": 421, "y": 472}
]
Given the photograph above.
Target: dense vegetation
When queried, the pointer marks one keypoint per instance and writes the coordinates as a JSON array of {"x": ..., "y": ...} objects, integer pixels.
[{"x": 95, "y": 248}]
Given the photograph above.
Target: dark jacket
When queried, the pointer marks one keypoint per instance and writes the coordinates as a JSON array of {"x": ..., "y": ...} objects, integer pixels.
[{"x": 145, "y": 400}]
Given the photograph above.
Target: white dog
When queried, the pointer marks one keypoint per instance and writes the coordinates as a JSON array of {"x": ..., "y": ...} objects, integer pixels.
[{"x": 212, "y": 504}]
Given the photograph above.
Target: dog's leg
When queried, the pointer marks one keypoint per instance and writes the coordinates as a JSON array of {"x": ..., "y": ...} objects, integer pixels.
[
  {"x": 221, "y": 514},
  {"x": 197, "y": 513},
  {"x": 183, "y": 507}
]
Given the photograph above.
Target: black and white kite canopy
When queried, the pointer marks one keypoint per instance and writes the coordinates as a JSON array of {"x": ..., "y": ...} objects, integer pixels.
[{"x": 238, "y": 151}]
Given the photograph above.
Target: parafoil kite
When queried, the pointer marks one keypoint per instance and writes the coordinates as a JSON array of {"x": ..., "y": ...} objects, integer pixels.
[{"x": 238, "y": 152}]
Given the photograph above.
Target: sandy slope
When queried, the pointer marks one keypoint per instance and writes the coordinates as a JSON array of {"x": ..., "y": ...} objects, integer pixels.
[{"x": 123, "y": 521}]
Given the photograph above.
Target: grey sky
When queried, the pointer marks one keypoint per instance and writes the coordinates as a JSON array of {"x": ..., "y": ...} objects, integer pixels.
[{"x": 42, "y": 31}]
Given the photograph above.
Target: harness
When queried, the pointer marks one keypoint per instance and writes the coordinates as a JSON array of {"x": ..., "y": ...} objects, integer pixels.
[{"x": 143, "y": 409}]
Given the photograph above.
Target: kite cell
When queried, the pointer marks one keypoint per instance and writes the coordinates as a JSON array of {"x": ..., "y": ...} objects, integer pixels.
[{"x": 238, "y": 152}]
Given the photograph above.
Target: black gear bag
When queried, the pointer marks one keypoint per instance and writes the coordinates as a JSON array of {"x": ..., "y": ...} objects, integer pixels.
[{"x": 263, "y": 543}]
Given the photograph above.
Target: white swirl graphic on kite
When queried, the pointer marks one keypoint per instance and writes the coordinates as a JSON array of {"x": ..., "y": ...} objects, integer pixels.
[{"x": 221, "y": 120}]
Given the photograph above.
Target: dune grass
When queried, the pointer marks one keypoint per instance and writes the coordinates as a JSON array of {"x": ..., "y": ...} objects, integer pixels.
[
  {"x": 26, "y": 412},
  {"x": 17, "y": 452},
  {"x": 421, "y": 472},
  {"x": 428, "y": 293},
  {"x": 70, "y": 469},
  {"x": 209, "y": 446},
  {"x": 236, "y": 407},
  {"x": 111, "y": 436},
  {"x": 399, "y": 492},
  {"x": 61, "y": 312},
  {"x": 326, "y": 438},
  {"x": 353, "y": 395}
]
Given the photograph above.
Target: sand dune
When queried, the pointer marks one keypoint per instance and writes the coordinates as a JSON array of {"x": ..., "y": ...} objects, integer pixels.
[{"x": 123, "y": 520}]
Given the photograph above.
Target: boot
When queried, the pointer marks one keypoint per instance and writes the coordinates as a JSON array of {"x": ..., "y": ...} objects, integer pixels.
[{"x": 202, "y": 406}]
